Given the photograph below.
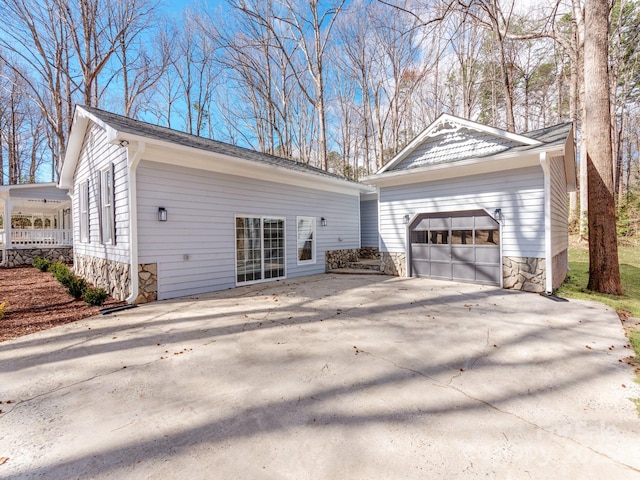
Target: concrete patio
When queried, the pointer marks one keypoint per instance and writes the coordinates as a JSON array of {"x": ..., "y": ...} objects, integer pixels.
[{"x": 329, "y": 376}]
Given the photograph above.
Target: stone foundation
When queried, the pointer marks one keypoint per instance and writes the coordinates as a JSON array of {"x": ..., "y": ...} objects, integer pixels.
[
  {"x": 340, "y": 258},
  {"x": 102, "y": 273},
  {"x": 25, "y": 256},
  {"x": 393, "y": 263},
  {"x": 147, "y": 282},
  {"x": 526, "y": 274},
  {"x": 560, "y": 265}
]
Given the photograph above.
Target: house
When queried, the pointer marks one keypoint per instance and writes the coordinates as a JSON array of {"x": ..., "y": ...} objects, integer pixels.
[
  {"x": 160, "y": 214},
  {"x": 35, "y": 221},
  {"x": 472, "y": 203}
]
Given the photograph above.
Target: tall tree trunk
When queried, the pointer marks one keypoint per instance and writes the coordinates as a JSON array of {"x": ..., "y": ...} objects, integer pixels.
[{"x": 604, "y": 272}]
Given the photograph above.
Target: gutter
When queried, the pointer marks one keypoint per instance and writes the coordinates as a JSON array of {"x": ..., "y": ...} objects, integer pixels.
[{"x": 133, "y": 159}]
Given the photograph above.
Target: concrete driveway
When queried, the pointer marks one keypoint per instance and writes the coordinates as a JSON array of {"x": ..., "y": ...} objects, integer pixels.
[{"x": 330, "y": 376}]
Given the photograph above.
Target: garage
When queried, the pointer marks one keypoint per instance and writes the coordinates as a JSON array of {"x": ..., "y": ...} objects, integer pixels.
[{"x": 460, "y": 246}]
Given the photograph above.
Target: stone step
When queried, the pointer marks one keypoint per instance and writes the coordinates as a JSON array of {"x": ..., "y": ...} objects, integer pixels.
[
  {"x": 355, "y": 271},
  {"x": 365, "y": 264}
]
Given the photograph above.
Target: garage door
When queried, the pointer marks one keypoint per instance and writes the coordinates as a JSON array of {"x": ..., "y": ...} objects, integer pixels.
[{"x": 461, "y": 246}]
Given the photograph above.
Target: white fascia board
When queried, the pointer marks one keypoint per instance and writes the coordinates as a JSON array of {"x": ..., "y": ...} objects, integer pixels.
[
  {"x": 165, "y": 152},
  {"x": 369, "y": 195},
  {"x": 447, "y": 170},
  {"x": 461, "y": 121},
  {"x": 79, "y": 124},
  {"x": 27, "y": 186},
  {"x": 74, "y": 145}
]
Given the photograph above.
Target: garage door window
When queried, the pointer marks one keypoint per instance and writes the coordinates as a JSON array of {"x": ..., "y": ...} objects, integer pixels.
[
  {"x": 462, "y": 237},
  {"x": 487, "y": 237}
]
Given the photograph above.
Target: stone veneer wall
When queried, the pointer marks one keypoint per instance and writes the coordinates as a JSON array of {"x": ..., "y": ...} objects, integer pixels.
[
  {"x": 393, "y": 263},
  {"x": 25, "y": 256},
  {"x": 560, "y": 265},
  {"x": 524, "y": 273},
  {"x": 147, "y": 282},
  {"x": 340, "y": 258},
  {"x": 368, "y": 252},
  {"x": 102, "y": 273}
]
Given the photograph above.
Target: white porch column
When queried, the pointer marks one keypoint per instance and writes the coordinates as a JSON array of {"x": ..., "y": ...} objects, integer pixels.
[{"x": 6, "y": 226}]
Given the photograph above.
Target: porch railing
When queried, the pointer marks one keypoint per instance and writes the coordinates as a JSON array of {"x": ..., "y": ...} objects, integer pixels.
[{"x": 36, "y": 237}]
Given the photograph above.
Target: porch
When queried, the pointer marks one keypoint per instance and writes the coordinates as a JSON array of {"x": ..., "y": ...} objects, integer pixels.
[{"x": 35, "y": 220}]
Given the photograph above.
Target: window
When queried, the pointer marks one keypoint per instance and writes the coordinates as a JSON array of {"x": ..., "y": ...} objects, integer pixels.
[
  {"x": 84, "y": 211},
  {"x": 107, "y": 233},
  {"x": 306, "y": 240},
  {"x": 260, "y": 253}
]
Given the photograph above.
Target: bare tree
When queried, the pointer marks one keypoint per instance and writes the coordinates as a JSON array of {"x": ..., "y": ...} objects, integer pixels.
[
  {"x": 604, "y": 273},
  {"x": 137, "y": 68},
  {"x": 491, "y": 15},
  {"x": 35, "y": 38}
]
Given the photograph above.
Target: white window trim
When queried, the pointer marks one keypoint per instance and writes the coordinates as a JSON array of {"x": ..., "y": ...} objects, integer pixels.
[
  {"x": 107, "y": 210},
  {"x": 235, "y": 248},
  {"x": 314, "y": 240},
  {"x": 84, "y": 211}
]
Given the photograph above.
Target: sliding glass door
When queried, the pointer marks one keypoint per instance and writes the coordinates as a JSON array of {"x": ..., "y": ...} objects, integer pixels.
[{"x": 260, "y": 252}]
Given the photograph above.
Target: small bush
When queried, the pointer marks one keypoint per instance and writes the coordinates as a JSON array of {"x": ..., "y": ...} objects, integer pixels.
[
  {"x": 3, "y": 306},
  {"x": 77, "y": 287},
  {"x": 41, "y": 264},
  {"x": 62, "y": 273},
  {"x": 95, "y": 296}
]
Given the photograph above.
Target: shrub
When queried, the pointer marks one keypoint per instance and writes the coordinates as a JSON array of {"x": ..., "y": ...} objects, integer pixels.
[
  {"x": 41, "y": 264},
  {"x": 95, "y": 296},
  {"x": 62, "y": 273},
  {"x": 3, "y": 306},
  {"x": 77, "y": 287}
]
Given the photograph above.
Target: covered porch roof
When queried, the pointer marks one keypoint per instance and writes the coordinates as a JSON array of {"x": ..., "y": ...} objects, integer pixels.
[
  {"x": 33, "y": 199},
  {"x": 41, "y": 214}
]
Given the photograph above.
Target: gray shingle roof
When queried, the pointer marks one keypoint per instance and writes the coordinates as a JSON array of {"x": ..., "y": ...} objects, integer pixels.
[
  {"x": 147, "y": 130},
  {"x": 452, "y": 146}
]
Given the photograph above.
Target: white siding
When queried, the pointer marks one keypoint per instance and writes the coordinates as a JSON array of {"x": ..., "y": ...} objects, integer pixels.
[
  {"x": 559, "y": 207},
  {"x": 369, "y": 223},
  {"x": 519, "y": 193},
  {"x": 195, "y": 248},
  {"x": 95, "y": 155}
]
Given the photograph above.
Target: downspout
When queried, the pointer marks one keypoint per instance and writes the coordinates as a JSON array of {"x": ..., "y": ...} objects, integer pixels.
[
  {"x": 548, "y": 258},
  {"x": 132, "y": 165}
]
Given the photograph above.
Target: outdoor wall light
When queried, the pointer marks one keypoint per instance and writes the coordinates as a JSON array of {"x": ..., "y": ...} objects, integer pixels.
[
  {"x": 406, "y": 219},
  {"x": 497, "y": 212},
  {"x": 323, "y": 221},
  {"x": 162, "y": 214},
  {"x": 124, "y": 143}
]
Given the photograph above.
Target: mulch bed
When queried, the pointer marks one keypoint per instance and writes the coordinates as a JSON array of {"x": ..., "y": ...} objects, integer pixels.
[{"x": 37, "y": 302}]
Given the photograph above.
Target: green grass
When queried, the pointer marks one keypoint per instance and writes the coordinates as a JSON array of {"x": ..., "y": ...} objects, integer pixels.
[{"x": 575, "y": 285}]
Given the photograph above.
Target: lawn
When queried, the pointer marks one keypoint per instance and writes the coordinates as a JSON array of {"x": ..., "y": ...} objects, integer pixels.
[{"x": 575, "y": 285}]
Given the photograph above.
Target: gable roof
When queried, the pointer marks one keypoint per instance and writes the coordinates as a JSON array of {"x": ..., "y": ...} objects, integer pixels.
[
  {"x": 451, "y": 144},
  {"x": 120, "y": 128}
]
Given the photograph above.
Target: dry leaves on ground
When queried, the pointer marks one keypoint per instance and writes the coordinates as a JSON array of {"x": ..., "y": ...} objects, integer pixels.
[{"x": 37, "y": 302}]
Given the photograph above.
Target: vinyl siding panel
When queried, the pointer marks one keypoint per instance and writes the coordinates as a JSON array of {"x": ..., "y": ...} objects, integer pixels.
[
  {"x": 559, "y": 207},
  {"x": 369, "y": 223},
  {"x": 195, "y": 248},
  {"x": 97, "y": 154},
  {"x": 519, "y": 193}
]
